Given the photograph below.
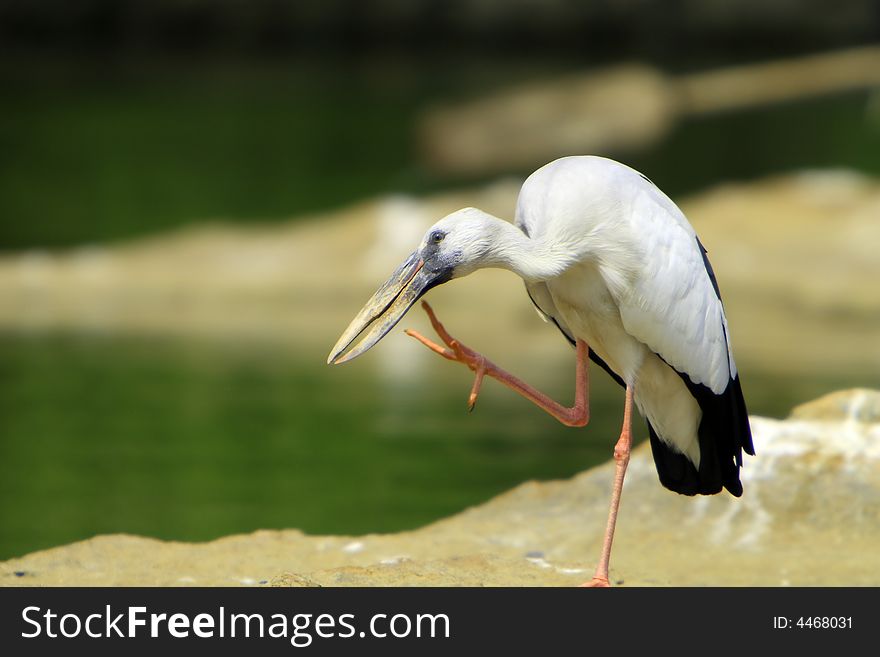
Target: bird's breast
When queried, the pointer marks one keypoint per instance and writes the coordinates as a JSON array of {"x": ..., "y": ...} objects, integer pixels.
[{"x": 587, "y": 307}]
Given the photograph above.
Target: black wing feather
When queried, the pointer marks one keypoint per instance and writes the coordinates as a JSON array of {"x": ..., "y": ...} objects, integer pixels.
[{"x": 724, "y": 434}]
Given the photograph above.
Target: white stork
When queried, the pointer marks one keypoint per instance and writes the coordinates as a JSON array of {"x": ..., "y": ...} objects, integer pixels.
[{"x": 615, "y": 265}]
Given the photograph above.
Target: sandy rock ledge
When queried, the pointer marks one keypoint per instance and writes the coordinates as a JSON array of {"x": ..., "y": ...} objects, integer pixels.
[{"x": 810, "y": 516}]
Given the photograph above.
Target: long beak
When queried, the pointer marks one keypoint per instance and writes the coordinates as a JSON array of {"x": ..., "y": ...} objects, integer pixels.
[{"x": 385, "y": 308}]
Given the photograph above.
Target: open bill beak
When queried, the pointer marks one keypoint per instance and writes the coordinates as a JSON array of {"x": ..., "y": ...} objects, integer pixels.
[{"x": 385, "y": 308}]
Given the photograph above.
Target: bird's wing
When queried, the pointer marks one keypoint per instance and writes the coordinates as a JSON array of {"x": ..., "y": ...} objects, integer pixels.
[
  {"x": 543, "y": 301},
  {"x": 670, "y": 300}
]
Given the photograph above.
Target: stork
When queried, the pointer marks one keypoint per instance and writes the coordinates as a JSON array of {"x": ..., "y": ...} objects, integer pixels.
[{"x": 615, "y": 265}]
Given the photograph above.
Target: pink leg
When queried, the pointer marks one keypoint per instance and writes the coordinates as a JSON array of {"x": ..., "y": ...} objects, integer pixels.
[
  {"x": 621, "y": 459},
  {"x": 576, "y": 416}
]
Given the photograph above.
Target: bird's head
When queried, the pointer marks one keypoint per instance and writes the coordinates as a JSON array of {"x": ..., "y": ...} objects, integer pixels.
[{"x": 455, "y": 246}]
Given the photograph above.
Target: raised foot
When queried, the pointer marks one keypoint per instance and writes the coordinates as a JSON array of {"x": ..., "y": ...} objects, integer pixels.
[
  {"x": 597, "y": 583},
  {"x": 576, "y": 416},
  {"x": 455, "y": 351}
]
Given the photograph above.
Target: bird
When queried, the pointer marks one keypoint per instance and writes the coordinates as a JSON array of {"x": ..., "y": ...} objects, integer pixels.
[{"x": 614, "y": 264}]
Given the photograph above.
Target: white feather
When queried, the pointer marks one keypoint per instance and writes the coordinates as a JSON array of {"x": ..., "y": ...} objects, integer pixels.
[
  {"x": 615, "y": 263},
  {"x": 646, "y": 253}
]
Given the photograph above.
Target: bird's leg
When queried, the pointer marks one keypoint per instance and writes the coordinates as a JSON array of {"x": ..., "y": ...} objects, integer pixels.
[
  {"x": 576, "y": 416},
  {"x": 621, "y": 459}
]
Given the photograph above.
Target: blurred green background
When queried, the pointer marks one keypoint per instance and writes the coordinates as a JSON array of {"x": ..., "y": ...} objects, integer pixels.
[{"x": 122, "y": 120}]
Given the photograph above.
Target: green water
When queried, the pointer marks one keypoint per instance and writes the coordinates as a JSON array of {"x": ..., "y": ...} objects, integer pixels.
[
  {"x": 186, "y": 441},
  {"x": 190, "y": 441}
]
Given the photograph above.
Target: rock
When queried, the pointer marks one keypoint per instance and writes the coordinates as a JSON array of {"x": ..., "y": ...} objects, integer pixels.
[
  {"x": 620, "y": 109},
  {"x": 860, "y": 405},
  {"x": 624, "y": 107},
  {"x": 810, "y": 516}
]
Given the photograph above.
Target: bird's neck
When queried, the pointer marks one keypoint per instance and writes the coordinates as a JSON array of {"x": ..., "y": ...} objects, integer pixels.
[{"x": 531, "y": 259}]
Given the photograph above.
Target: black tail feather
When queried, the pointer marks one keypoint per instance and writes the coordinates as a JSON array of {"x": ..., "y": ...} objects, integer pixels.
[
  {"x": 676, "y": 472},
  {"x": 724, "y": 434}
]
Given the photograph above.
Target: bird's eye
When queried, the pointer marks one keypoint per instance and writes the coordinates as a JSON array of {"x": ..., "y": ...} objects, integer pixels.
[{"x": 437, "y": 236}]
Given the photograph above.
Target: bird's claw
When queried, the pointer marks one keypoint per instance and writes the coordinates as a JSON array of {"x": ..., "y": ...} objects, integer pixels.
[
  {"x": 454, "y": 350},
  {"x": 480, "y": 372},
  {"x": 597, "y": 583}
]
